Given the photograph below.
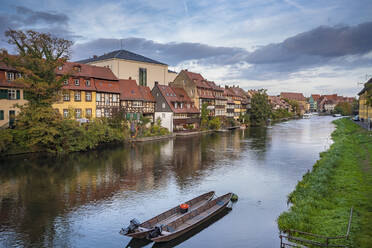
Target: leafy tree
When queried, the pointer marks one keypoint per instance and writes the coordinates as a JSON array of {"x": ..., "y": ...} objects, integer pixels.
[
  {"x": 39, "y": 55},
  {"x": 344, "y": 108},
  {"x": 260, "y": 108},
  {"x": 215, "y": 123}
]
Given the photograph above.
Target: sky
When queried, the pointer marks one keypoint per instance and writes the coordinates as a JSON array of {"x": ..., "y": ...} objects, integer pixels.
[{"x": 313, "y": 47}]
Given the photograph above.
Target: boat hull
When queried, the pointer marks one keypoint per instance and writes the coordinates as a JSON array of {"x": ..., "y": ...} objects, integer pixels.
[
  {"x": 148, "y": 225},
  {"x": 166, "y": 238}
]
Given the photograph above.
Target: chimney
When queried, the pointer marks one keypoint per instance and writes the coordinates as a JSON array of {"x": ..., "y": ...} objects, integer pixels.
[
  {"x": 226, "y": 86},
  {"x": 130, "y": 78},
  {"x": 186, "y": 70},
  {"x": 94, "y": 56},
  {"x": 156, "y": 83}
]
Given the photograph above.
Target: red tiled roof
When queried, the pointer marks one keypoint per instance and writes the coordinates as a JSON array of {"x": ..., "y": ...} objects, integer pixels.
[
  {"x": 293, "y": 96},
  {"x": 146, "y": 94},
  {"x": 87, "y": 71},
  {"x": 175, "y": 94},
  {"x": 331, "y": 97},
  {"x": 129, "y": 90},
  {"x": 108, "y": 86},
  {"x": 229, "y": 92},
  {"x": 315, "y": 97},
  {"x": 197, "y": 78},
  {"x": 5, "y": 67}
]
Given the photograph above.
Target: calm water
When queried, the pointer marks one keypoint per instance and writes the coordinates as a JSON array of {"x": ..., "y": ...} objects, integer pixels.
[{"x": 83, "y": 200}]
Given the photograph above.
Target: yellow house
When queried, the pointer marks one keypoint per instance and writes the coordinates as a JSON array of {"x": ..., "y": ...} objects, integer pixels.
[
  {"x": 365, "y": 111},
  {"x": 128, "y": 65},
  {"x": 11, "y": 93},
  {"x": 79, "y": 92}
]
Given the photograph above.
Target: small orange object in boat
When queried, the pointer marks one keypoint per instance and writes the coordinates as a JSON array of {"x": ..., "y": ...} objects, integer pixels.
[{"x": 184, "y": 205}]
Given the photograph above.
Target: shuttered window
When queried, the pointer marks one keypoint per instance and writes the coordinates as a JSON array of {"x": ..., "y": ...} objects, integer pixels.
[
  {"x": 3, "y": 94},
  {"x": 18, "y": 94},
  {"x": 1, "y": 115}
]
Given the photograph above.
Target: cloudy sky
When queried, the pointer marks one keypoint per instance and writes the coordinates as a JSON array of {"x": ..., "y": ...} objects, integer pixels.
[{"x": 283, "y": 45}]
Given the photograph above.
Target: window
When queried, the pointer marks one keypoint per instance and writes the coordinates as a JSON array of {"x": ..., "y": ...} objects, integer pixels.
[
  {"x": 98, "y": 97},
  {"x": 60, "y": 68},
  {"x": 66, "y": 96},
  {"x": 65, "y": 113},
  {"x": 65, "y": 82},
  {"x": 107, "y": 112},
  {"x": 107, "y": 99},
  {"x": 142, "y": 76},
  {"x": 1, "y": 115},
  {"x": 175, "y": 105},
  {"x": 12, "y": 94},
  {"x": 77, "y": 96},
  {"x": 88, "y": 112},
  {"x": 163, "y": 115},
  {"x": 114, "y": 98},
  {"x": 87, "y": 83},
  {"x": 137, "y": 104},
  {"x": 77, "y": 82},
  {"x": 78, "y": 113},
  {"x": 181, "y": 105},
  {"x": 163, "y": 105},
  {"x": 88, "y": 96},
  {"x": 10, "y": 76},
  {"x": 98, "y": 113}
]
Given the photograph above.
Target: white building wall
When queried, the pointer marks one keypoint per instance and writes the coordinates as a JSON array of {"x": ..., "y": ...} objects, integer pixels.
[{"x": 166, "y": 119}]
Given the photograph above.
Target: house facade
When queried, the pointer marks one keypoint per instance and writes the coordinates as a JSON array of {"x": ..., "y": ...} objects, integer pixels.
[
  {"x": 11, "y": 93},
  {"x": 233, "y": 106},
  {"x": 278, "y": 103},
  {"x": 313, "y": 101},
  {"x": 299, "y": 97},
  {"x": 175, "y": 108},
  {"x": 136, "y": 101},
  {"x": 89, "y": 91},
  {"x": 365, "y": 111},
  {"x": 125, "y": 64}
]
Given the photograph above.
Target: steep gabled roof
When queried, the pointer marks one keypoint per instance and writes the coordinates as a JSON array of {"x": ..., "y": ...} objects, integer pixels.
[
  {"x": 146, "y": 93},
  {"x": 293, "y": 96},
  {"x": 109, "y": 87},
  {"x": 122, "y": 54},
  {"x": 197, "y": 78},
  {"x": 176, "y": 94},
  {"x": 368, "y": 83},
  {"x": 315, "y": 97}
]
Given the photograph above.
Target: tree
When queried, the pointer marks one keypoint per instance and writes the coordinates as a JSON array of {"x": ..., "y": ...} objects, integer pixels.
[
  {"x": 260, "y": 108},
  {"x": 344, "y": 108},
  {"x": 39, "y": 55}
]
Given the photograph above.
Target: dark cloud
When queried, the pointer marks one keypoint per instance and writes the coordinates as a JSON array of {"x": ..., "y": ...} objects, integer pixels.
[
  {"x": 324, "y": 45},
  {"x": 171, "y": 53},
  {"x": 29, "y": 17},
  {"x": 325, "y": 42}
]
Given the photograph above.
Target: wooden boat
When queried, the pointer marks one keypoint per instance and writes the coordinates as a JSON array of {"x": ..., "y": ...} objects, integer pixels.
[
  {"x": 193, "y": 218},
  {"x": 169, "y": 216}
]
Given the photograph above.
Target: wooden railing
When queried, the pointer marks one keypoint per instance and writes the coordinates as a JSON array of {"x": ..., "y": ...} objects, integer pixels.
[{"x": 303, "y": 241}]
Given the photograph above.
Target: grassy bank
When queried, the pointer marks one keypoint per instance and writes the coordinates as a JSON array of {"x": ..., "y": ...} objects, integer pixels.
[{"x": 340, "y": 179}]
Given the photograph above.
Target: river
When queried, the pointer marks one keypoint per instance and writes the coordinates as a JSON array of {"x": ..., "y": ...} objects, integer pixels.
[{"x": 84, "y": 199}]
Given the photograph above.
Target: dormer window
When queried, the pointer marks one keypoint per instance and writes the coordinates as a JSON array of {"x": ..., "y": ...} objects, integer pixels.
[
  {"x": 10, "y": 76},
  {"x": 77, "y": 82},
  {"x": 60, "y": 68},
  {"x": 77, "y": 68},
  {"x": 175, "y": 105},
  {"x": 65, "y": 82},
  {"x": 87, "y": 83}
]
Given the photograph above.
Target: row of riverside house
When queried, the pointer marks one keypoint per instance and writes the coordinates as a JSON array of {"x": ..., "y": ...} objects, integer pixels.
[{"x": 139, "y": 86}]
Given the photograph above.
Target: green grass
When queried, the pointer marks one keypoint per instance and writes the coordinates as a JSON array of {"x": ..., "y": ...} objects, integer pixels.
[{"x": 340, "y": 179}]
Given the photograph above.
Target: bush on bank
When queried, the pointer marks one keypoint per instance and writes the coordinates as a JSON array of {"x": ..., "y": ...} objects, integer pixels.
[{"x": 340, "y": 179}]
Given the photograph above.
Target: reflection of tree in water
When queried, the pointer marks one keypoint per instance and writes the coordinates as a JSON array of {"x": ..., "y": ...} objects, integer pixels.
[
  {"x": 258, "y": 137},
  {"x": 36, "y": 194}
]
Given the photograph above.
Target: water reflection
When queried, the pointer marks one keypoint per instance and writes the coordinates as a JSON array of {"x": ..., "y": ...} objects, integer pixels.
[{"x": 82, "y": 200}]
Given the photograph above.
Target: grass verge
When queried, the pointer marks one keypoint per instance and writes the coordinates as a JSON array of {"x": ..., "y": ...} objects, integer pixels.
[{"x": 340, "y": 179}]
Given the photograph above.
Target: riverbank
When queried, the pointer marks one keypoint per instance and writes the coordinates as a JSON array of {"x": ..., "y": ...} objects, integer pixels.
[{"x": 340, "y": 179}]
